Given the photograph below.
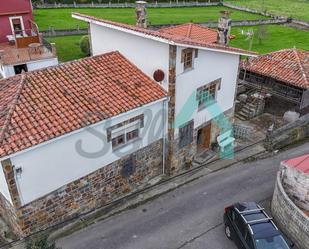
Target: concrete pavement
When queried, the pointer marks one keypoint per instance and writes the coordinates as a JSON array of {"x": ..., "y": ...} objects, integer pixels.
[{"x": 189, "y": 217}]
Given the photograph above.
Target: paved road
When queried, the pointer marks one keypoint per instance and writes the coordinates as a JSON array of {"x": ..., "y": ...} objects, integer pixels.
[{"x": 189, "y": 217}]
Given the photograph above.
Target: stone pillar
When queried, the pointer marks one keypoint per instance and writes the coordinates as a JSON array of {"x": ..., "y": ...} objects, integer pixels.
[
  {"x": 171, "y": 108},
  {"x": 224, "y": 28},
  {"x": 141, "y": 14},
  {"x": 11, "y": 182}
]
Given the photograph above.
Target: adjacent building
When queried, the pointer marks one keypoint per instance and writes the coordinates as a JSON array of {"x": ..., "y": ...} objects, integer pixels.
[
  {"x": 76, "y": 136},
  {"x": 22, "y": 47},
  {"x": 284, "y": 74}
]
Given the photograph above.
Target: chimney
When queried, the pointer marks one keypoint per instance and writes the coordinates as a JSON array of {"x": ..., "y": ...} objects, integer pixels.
[
  {"x": 224, "y": 28},
  {"x": 141, "y": 14}
]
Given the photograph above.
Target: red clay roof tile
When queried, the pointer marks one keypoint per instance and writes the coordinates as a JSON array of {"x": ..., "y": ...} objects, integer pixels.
[
  {"x": 176, "y": 38},
  {"x": 44, "y": 104},
  {"x": 288, "y": 65}
]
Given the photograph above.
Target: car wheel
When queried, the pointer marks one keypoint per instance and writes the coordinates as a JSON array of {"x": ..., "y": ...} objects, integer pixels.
[{"x": 228, "y": 232}]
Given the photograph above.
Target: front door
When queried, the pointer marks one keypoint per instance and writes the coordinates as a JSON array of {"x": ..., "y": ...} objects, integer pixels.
[{"x": 203, "y": 137}]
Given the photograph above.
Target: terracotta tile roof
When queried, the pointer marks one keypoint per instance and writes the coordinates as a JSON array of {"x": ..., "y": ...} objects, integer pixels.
[
  {"x": 299, "y": 163},
  {"x": 288, "y": 65},
  {"x": 41, "y": 105},
  {"x": 162, "y": 36},
  {"x": 193, "y": 31}
]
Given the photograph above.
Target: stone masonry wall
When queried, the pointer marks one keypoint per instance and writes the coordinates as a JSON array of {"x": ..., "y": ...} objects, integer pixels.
[
  {"x": 7, "y": 212},
  {"x": 289, "y": 217},
  {"x": 288, "y": 134},
  {"x": 92, "y": 191},
  {"x": 182, "y": 157},
  {"x": 296, "y": 185}
]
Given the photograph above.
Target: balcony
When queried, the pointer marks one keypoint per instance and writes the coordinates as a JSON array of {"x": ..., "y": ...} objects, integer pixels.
[{"x": 24, "y": 46}]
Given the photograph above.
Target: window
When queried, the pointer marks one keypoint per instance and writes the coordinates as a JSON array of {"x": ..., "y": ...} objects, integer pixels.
[
  {"x": 17, "y": 25},
  {"x": 206, "y": 95},
  {"x": 187, "y": 57},
  {"x": 249, "y": 240},
  {"x": 125, "y": 132},
  {"x": 186, "y": 134}
]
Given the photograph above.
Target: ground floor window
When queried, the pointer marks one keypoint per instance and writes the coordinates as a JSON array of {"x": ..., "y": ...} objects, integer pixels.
[
  {"x": 186, "y": 134},
  {"x": 125, "y": 132}
]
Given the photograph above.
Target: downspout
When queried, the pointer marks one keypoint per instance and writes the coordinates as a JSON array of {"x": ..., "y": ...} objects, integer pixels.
[{"x": 165, "y": 103}]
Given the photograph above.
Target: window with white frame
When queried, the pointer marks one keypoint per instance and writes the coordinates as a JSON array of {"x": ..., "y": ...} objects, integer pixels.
[
  {"x": 187, "y": 58},
  {"x": 17, "y": 25},
  {"x": 125, "y": 132},
  {"x": 206, "y": 95}
]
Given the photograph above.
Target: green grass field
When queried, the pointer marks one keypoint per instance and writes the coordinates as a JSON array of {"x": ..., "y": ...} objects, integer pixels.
[
  {"x": 61, "y": 18},
  {"x": 298, "y": 9},
  {"x": 278, "y": 37},
  {"x": 67, "y": 47}
]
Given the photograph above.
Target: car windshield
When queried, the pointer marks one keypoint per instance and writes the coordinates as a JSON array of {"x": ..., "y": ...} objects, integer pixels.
[{"x": 276, "y": 242}]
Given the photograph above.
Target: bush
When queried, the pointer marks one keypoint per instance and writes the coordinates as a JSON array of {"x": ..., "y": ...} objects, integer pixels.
[
  {"x": 85, "y": 45},
  {"x": 40, "y": 242}
]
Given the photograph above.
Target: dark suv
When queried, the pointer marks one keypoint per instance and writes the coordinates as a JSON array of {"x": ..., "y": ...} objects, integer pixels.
[{"x": 249, "y": 226}]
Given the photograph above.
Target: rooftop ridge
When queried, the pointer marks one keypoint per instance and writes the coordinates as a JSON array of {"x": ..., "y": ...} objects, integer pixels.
[{"x": 301, "y": 66}]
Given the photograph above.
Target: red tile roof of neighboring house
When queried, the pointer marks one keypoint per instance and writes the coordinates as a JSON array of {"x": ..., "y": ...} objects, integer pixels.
[
  {"x": 288, "y": 65},
  {"x": 163, "y": 36},
  {"x": 300, "y": 163},
  {"x": 193, "y": 31},
  {"x": 41, "y": 105}
]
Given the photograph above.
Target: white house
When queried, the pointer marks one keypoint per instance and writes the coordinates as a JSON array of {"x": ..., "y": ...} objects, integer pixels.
[
  {"x": 191, "y": 62},
  {"x": 76, "y": 136}
]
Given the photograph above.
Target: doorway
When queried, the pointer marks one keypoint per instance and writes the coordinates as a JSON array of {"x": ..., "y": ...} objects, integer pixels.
[
  {"x": 18, "y": 69},
  {"x": 203, "y": 137}
]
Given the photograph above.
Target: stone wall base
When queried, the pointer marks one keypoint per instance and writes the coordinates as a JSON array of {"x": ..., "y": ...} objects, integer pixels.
[
  {"x": 92, "y": 191},
  {"x": 182, "y": 158},
  {"x": 290, "y": 219}
]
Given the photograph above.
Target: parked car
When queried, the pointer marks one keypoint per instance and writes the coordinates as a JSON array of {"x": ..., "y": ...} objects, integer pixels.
[{"x": 249, "y": 226}]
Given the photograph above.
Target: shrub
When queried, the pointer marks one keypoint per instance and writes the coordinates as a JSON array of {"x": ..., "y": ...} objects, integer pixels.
[
  {"x": 85, "y": 45},
  {"x": 40, "y": 242}
]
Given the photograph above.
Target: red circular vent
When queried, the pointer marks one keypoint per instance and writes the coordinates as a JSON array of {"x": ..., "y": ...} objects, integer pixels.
[{"x": 158, "y": 75}]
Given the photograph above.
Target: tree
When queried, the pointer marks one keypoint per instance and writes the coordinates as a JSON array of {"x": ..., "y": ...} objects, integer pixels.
[
  {"x": 262, "y": 33},
  {"x": 85, "y": 45},
  {"x": 40, "y": 242}
]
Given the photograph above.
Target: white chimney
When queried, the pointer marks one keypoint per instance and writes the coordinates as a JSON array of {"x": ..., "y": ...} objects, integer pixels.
[
  {"x": 141, "y": 14},
  {"x": 224, "y": 28}
]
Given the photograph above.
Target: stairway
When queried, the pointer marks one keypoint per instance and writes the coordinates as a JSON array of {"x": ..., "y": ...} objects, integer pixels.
[{"x": 251, "y": 109}]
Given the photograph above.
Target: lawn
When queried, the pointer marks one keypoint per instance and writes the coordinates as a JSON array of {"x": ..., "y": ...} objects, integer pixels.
[
  {"x": 298, "y": 9},
  {"x": 61, "y": 18},
  {"x": 67, "y": 47},
  {"x": 277, "y": 37}
]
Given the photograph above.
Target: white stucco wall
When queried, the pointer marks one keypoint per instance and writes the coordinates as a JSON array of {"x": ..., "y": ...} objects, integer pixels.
[
  {"x": 8, "y": 70},
  {"x": 146, "y": 54},
  {"x": 208, "y": 67},
  {"x": 50, "y": 166},
  {"x": 4, "y": 187}
]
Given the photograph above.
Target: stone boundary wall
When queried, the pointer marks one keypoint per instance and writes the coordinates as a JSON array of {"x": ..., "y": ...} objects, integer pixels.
[
  {"x": 92, "y": 191},
  {"x": 288, "y": 134},
  {"x": 51, "y": 32},
  {"x": 268, "y": 14},
  {"x": 290, "y": 219},
  {"x": 167, "y": 4},
  {"x": 7, "y": 212}
]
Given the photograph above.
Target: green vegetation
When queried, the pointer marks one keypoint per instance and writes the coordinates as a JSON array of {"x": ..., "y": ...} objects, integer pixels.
[
  {"x": 68, "y": 47},
  {"x": 61, "y": 18},
  {"x": 85, "y": 45},
  {"x": 278, "y": 37},
  {"x": 298, "y": 9}
]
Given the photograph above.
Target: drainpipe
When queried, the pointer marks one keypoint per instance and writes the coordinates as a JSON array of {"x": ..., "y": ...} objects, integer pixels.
[{"x": 165, "y": 106}]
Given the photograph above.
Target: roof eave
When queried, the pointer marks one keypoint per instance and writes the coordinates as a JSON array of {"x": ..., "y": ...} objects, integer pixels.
[{"x": 167, "y": 41}]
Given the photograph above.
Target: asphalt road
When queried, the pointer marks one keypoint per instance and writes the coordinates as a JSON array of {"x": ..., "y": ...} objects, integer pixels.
[{"x": 189, "y": 217}]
